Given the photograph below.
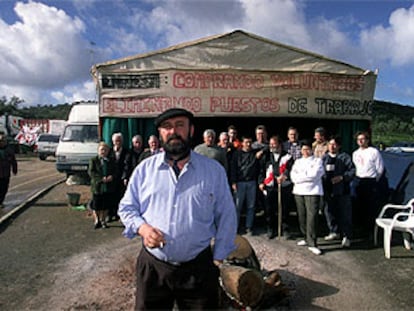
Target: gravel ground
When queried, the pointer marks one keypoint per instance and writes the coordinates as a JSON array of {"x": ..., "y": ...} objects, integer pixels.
[{"x": 52, "y": 259}]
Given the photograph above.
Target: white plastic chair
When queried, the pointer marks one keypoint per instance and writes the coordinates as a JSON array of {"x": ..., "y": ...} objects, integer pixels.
[{"x": 402, "y": 221}]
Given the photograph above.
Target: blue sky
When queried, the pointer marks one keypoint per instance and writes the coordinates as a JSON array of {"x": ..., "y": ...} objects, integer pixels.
[{"x": 48, "y": 47}]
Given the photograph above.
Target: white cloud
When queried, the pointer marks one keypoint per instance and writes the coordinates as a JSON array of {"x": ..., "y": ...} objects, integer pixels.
[
  {"x": 46, "y": 54},
  {"x": 394, "y": 43},
  {"x": 173, "y": 22},
  {"x": 44, "y": 48},
  {"x": 130, "y": 43},
  {"x": 282, "y": 21},
  {"x": 72, "y": 93},
  {"x": 31, "y": 96}
]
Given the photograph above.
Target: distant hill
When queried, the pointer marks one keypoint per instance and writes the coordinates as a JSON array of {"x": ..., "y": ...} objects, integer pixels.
[
  {"x": 389, "y": 109},
  {"x": 392, "y": 123}
]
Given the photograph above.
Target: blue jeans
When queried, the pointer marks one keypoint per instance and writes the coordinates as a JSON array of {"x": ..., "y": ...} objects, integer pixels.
[
  {"x": 338, "y": 214},
  {"x": 246, "y": 192}
]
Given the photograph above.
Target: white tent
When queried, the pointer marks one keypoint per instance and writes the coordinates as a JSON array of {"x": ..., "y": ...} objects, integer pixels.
[{"x": 236, "y": 74}]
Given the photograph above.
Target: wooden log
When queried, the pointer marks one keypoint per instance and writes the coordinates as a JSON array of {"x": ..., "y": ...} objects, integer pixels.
[
  {"x": 244, "y": 285},
  {"x": 244, "y": 255},
  {"x": 243, "y": 249}
]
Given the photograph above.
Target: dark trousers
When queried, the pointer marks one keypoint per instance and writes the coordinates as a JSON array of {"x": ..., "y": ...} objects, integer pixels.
[
  {"x": 367, "y": 202},
  {"x": 338, "y": 214},
  {"x": 101, "y": 202},
  {"x": 4, "y": 187},
  {"x": 308, "y": 208},
  {"x": 116, "y": 198},
  {"x": 191, "y": 286}
]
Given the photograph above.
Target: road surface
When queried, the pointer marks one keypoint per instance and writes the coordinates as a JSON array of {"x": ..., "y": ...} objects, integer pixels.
[{"x": 33, "y": 177}]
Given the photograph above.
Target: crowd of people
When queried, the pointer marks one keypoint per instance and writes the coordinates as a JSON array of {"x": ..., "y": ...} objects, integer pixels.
[
  {"x": 181, "y": 200},
  {"x": 265, "y": 175},
  {"x": 309, "y": 177}
]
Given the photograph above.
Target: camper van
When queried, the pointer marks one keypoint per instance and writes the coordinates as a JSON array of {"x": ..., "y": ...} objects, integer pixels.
[{"x": 79, "y": 141}]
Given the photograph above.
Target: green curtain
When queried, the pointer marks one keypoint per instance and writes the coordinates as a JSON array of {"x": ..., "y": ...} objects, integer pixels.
[
  {"x": 347, "y": 130},
  {"x": 128, "y": 127},
  {"x": 145, "y": 127}
]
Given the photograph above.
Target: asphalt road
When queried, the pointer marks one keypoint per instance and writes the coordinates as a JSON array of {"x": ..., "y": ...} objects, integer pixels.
[{"x": 33, "y": 177}]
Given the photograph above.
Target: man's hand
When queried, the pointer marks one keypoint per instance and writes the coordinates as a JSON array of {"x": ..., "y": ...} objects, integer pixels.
[
  {"x": 262, "y": 187},
  {"x": 234, "y": 187},
  {"x": 281, "y": 179},
  {"x": 152, "y": 237},
  {"x": 336, "y": 179}
]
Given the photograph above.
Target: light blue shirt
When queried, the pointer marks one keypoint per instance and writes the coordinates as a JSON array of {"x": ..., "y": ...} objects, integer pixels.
[{"x": 190, "y": 210}]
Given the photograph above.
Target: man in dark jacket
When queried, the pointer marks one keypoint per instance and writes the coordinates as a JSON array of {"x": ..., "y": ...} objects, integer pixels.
[
  {"x": 274, "y": 171},
  {"x": 118, "y": 153},
  {"x": 132, "y": 158},
  {"x": 8, "y": 164},
  {"x": 243, "y": 175},
  {"x": 339, "y": 171}
]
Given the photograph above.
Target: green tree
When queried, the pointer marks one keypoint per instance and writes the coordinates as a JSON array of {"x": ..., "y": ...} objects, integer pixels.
[{"x": 11, "y": 106}]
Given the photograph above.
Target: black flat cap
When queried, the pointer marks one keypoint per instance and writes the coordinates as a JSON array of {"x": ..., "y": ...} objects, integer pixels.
[{"x": 172, "y": 113}]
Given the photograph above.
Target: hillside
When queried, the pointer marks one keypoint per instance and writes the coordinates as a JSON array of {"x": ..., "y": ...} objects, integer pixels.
[{"x": 392, "y": 123}]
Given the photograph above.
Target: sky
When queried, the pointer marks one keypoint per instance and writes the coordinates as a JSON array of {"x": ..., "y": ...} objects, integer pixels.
[{"x": 47, "y": 48}]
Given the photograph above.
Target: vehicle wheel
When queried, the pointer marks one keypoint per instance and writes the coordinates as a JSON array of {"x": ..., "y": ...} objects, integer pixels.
[{"x": 42, "y": 157}]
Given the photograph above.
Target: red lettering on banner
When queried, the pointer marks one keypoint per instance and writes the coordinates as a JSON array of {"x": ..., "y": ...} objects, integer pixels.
[
  {"x": 314, "y": 81},
  {"x": 225, "y": 81},
  {"x": 150, "y": 104},
  {"x": 244, "y": 104}
]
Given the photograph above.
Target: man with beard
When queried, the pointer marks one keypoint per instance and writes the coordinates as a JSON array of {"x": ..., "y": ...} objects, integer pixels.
[{"x": 179, "y": 202}]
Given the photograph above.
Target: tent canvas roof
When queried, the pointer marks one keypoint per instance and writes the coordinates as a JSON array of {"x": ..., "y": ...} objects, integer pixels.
[{"x": 237, "y": 50}]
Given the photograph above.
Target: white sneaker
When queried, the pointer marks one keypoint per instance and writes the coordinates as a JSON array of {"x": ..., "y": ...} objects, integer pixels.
[
  {"x": 302, "y": 243},
  {"x": 346, "y": 242},
  {"x": 315, "y": 250},
  {"x": 331, "y": 236}
]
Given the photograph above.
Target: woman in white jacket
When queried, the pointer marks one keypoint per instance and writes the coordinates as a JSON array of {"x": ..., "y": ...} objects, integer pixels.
[{"x": 306, "y": 175}]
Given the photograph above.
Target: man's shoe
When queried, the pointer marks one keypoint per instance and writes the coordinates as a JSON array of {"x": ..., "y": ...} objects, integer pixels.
[
  {"x": 104, "y": 225},
  {"x": 315, "y": 250},
  {"x": 346, "y": 242},
  {"x": 302, "y": 243},
  {"x": 97, "y": 225},
  {"x": 260, "y": 213},
  {"x": 331, "y": 236},
  {"x": 286, "y": 235},
  {"x": 249, "y": 232}
]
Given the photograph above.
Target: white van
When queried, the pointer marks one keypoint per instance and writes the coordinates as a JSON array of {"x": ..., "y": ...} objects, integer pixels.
[
  {"x": 46, "y": 145},
  {"x": 79, "y": 141}
]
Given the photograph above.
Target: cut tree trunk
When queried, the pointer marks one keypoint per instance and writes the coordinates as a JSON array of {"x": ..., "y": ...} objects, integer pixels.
[
  {"x": 244, "y": 255},
  {"x": 244, "y": 285}
]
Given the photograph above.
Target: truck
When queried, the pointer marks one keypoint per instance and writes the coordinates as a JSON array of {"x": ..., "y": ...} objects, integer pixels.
[
  {"x": 56, "y": 127},
  {"x": 80, "y": 139},
  {"x": 10, "y": 125}
]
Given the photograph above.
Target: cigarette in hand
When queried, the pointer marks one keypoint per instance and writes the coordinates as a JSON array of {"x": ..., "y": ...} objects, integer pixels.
[{"x": 161, "y": 244}]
